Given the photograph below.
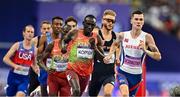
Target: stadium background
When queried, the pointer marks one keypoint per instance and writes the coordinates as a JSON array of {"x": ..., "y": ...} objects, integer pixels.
[{"x": 162, "y": 19}]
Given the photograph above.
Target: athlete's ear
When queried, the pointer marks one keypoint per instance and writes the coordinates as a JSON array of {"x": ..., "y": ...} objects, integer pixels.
[{"x": 131, "y": 20}]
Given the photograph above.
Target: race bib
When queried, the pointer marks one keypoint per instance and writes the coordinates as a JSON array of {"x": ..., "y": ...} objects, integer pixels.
[
  {"x": 23, "y": 71},
  {"x": 132, "y": 61},
  {"x": 61, "y": 66},
  {"x": 112, "y": 58},
  {"x": 85, "y": 53}
]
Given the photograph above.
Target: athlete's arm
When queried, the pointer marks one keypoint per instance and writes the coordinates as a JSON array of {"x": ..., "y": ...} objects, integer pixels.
[
  {"x": 150, "y": 43},
  {"x": 35, "y": 67},
  {"x": 42, "y": 41},
  {"x": 114, "y": 46},
  {"x": 66, "y": 39},
  {"x": 116, "y": 43},
  {"x": 9, "y": 54},
  {"x": 98, "y": 48},
  {"x": 70, "y": 36},
  {"x": 44, "y": 55},
  {"x": 118, "y": 52}
]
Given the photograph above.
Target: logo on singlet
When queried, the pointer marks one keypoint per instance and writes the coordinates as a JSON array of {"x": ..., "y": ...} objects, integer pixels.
[{"x": 25, "y": 56}]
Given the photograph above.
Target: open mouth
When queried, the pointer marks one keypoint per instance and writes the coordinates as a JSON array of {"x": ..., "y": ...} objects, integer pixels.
[{"x": 138, "y": 25}]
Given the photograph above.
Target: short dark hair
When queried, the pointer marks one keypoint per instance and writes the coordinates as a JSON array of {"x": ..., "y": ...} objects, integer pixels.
[
  {"x": 45, "y": 22},
  {"x": 57, "y": 17},
  {"x": 89, "y": 16},
  {"x": 70, "y": 18},
  {"x": 136, "y": 12}
]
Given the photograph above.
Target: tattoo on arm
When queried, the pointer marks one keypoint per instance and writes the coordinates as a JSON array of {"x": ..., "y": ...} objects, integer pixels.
[{"x": 153, "y": 48}]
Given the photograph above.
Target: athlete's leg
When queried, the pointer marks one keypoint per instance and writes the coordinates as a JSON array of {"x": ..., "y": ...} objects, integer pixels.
[
  {"x": 134, "y": 81},
  {"x": 123, "y": 85},
  {"x": 20, "y": 94},
  {"x": 23, "y": 87},
  {"x": 34, "y": 82},
  {"x": 108, "y": 85},
  {"x": 124, "y": 90},
  {"x": 43, "y": 82},
  {"x": 44, "y": 90},
  {"x": 53, "y": 85},
  {"x": 11, "y": 90},
  {"x": 94, "y": 86},
  {"x": 73, "y": 82},
  {"x": 83, "y": 80},
  {"x": 65, "y": 90}
]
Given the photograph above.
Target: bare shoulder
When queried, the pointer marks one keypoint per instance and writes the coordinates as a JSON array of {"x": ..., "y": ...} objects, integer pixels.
[
  {"x": 35, "y": 40},
  {"x": 15, "y": 45},
  {"x": 42, "y": 39},
  {"x": 120, "y": 35},
  {"x": 149, "y": 37}
]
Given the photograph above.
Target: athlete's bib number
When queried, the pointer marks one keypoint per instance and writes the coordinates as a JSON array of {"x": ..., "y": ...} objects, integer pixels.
[
  {"x": 61, "y": 66},
  {"x": 85, "y": 53},
  {"x": 132, "y": 61},
  {"x": 23, "y": 71},
  {"x": 112, "y": 58}
]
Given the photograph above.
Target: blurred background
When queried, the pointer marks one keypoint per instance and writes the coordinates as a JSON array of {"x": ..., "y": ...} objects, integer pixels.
[{"x": 162, "y": 20}]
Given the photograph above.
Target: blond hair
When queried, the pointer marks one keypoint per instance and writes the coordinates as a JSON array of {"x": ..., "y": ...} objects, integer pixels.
[{"x": 109, "y": 12}]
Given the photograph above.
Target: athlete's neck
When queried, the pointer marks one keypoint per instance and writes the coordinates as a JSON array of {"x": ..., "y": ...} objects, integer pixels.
[
  {"x": 27, "y": 42},
  {"x": 87, "y": 34},
  {"x": 135, "y": 33},
  {"x": 106, "y": 31},
  {"x": 55, "y": 35}
]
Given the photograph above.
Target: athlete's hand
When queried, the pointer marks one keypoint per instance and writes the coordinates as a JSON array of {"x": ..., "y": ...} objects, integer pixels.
[
  {"x": 66, "y": 29},
  {"x": 106, "y": 59},
  {"x": 50, "y": 70},
  {"x": 17, "y": 67},
  {"x": 64, "y": 50},
  {"x": 36, "y": 69}
]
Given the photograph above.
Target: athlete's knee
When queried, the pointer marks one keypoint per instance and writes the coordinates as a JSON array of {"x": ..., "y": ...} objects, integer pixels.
[
  {"x": 108, "y": 88},
  {"x": 107, "y": 94},
  {"x": 124, "y": 90},
  {"x": 20, "y": 94},
  {"x": 76, "y": 92},
  {"x": 44, "y": 90}
]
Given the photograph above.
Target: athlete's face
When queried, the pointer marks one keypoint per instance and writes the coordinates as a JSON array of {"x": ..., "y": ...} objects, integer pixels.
[
  {"x": 46, "y": 28},
  {"x": 89, "y": 24},
  {"x": 28, "y": 33},
  {"x": 137, "y": 21},
  {"x": 72, "y": 24},
  {"x": 57, "y": 25},
  {"x": 108, "y": 21}
]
